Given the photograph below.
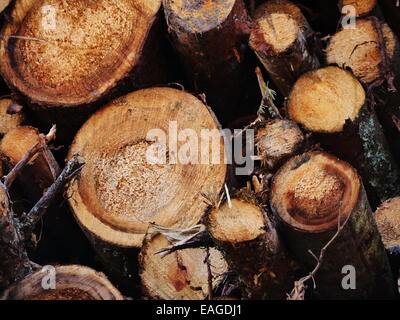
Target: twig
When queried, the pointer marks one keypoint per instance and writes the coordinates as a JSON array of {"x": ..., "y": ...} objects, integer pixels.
[
  {"x": 396, "y": 122},
  {"x": 299, "y": 287},
  {"x": 72, "y": 168},
  {"x": 267, "y": 103}
]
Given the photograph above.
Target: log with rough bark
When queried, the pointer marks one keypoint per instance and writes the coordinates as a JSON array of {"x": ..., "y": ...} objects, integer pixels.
[
  {"x": 11, "y": 116},
  {"x": 387, "y": 217},
  {"x": 181, "y": 275},
  {"x": 64, "y": 56},
  {"x": 278, "y": 140},
  {"x": 371, "y": 51},
  {"x": 210, "y": 37},
  {"x": 331, "y": 103},
  {"x": 281, "y": 38},
  {"x": 252, "y": 248},
  {"x": 72, "y": 282},
  {"x": 41, "y": 171},
  {"x": 311, "y": 195},
  {"x": 134, "y": 174}
]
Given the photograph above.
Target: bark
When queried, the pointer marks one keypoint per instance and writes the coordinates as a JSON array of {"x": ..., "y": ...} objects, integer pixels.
[
  {"x": 132, "y": 178},
  {"x": 357, "y": 138},
  {"x": 73, "y": 282},
  {"x": 181, "y": 275},
  {"x": 210, "y": 39},
  {"x": 311, "y": 195},
  {"x": 275, "y": 23},
  {"x": 252, "y": 248}
]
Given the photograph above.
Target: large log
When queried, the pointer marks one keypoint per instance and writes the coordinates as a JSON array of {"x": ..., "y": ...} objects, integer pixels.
[
  {"x": 361, "y": 7},
  {"x": 281, "y": 39},
  {"x": 120, "y": 189},
  {"x": 181, "y": 275},
  {"x": 211, "y": 37},
  {"x": 252, "y": 248},
  {"x": 64, "y": 56},
  {"x": 331, "y": 103},
  {"x": 311, "y": 195},
  {"x": 72, "y": 282}
]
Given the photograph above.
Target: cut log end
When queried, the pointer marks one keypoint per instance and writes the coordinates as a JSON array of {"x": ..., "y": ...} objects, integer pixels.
[
  {"x": 72, "y": 283},
  {"x": 362, "y": 7},
  {"x": 131, "y": 179},
  {"x": 277, "y": 26},
  {"x": 278, "y": 140},
  {"x": 239, "y": 222},
  {"x": 360, "y": 50},
  {"x": 68, "y": 53},
  {"x": 313, "y": 189},
  {"x": 181, "y": 275},
  {"x": 322, "y": 100},
  {"x": 388, "y": 219},
  {"x": 9, "y": 121},
  {"x": 197, "y": 17}
]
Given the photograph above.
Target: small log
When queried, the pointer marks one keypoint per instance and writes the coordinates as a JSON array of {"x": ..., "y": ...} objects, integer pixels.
[
  {"x": 314, "y": 193},
  {"x": 249, "y": 242},
  {"x": 181, "y": 275},
  {"x": 120, "y": 189},
  {"x": 371, "y": 51},
  {"x": 72, "y": 282},
  {"x": 391, "y": 12},
  {"x": 331, "y": 103},
  {"x": 11, "y": 116},
  {"x": 278, "y": 140},
  {"x": 388, "y": 219},
  {"x": 362, "y": 7},
  {"x": 210, "y": 37},
  {"x": 41, "y": 171},
  {"x": 281, "y": 39}
]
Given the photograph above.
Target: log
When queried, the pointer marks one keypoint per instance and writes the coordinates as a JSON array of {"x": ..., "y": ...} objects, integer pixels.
[
  {"x": 281, "y": 39},
  {"x": 252, "y": 248},
  {"x": 311, "y": 195},
  {"x": 42, "y": 169},
  {"x": 388, "y": 220},
  {"x": 4, "y": 4},
  {"x": 362, "y": 7},
  {"x": 278, "y": 140},
  {"x": 73, "y": 282},
  {"x": 331, "y": 103},
  {"x": 371, "y": 51},
  {"x": 68, "y": 57},
  {"x": 120, "y": 189},
  {"x": 210, "y": 38},
  {"x": 8, "y": 118},
  {"x": 181, "y": 275}
]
